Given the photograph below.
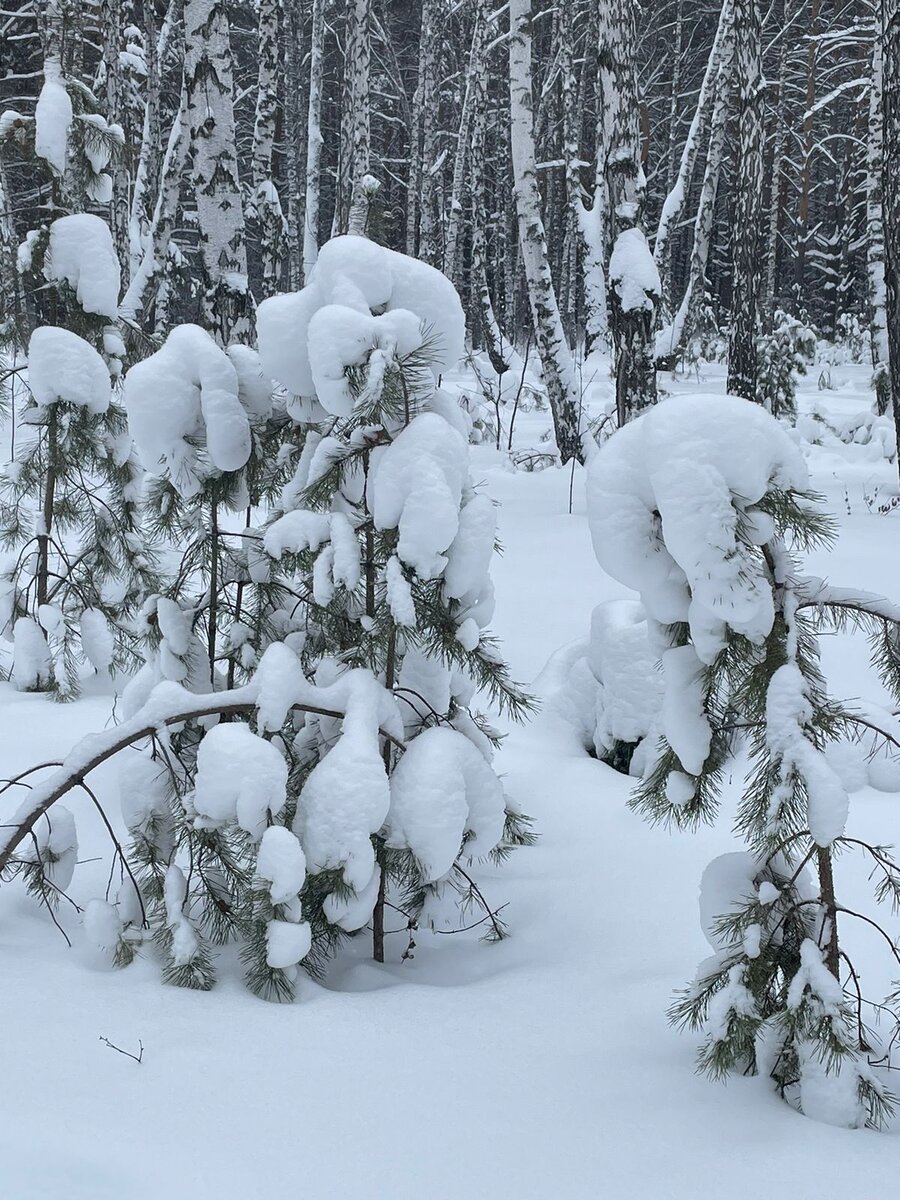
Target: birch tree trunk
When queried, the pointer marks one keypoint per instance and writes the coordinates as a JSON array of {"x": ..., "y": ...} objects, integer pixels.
[
  {"x": 313, "y": 140},
  {"x": 151, "y": 270},
  {"x": 670, "y": 341},
  {"x": 875, "y": 231},
  {"x": 890, "y": 176},
  {"x": 110, "y": 22},
  {"x": 465, "y": 155},
  {"x": 266, "y": 201},
  {"x": 778, "y": 152},
  {"x": 674, "y": 203},
  {"x": 496, "y": 346},
  {"x": 634, "y": 281},
  {"x": 747, "y": 274},
  {"x": 355, "y": 123},
  {"x": 208, "y": 73},
  {"x": 556, "y": 358}
]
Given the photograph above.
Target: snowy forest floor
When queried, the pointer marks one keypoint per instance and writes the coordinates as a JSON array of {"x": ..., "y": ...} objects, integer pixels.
[{"x": 540, "y": 1067}]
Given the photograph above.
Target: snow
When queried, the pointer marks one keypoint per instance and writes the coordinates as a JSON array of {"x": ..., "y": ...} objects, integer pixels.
[
  {"x": 81, "y": 254},
  {"x": 53, "y": 118},
  {"x": 688, "y": 459},
  {"x": 97, "y": 640},
  {"x": 632, "y": 272},
  {"x": 31, "y": 655},
  {"x": 442, "y": 792},
  {"x": 346, "y": 796},
  {"x": 187, "y": 388},
  {"x": 62, "y": 367},
  {"x": 240, "y": 777},
  {"x": 602, "y": 1099},
  {"x": 287, "y": 942},
  {"x": 281, "y": 863},
  {"x": 683, "y": 720},
  {"x": 788, "y": 717},
  {"x": 416, "y": 488},
  {"x": 303, "y": 347}
]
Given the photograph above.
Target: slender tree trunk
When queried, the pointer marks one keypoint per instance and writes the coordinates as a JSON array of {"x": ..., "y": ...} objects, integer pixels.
[
  {"x": 747, "y": 275},
  {"x": 266, "y": 201},
  {"x": 875, "y": 247},
  {"x": 313, "y": 139},
  {"x": 670, "y": 341},
  {"x": 208, "y": 73},
  {"x": 633, "y": 303},
  {"x": 804, "y": 233},
  {"x": 462, "y": 163},
  {"x": 556, "y": 358},
  {"x": 355, "y": 121},
  {"x": 677, "y": 197},
  {"x": 890, "y": 176},
  {"x": 110, "y": 22},
  {"x": 778, "y": 152}
]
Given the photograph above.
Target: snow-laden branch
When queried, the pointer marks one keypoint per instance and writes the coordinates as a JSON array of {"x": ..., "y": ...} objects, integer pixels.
[
  {"x": 817, "y": 593},
  {"x": 168, "y": 704}
]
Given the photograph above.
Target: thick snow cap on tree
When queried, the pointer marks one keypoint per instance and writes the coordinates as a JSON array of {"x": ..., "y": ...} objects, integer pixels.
[
  {"x": 187, "y": 388},
  {"x": 64, "y": 367},
  {"x": 444, "y": 793},
  {"x": 81, "y": 254},
  {"x": 633, "y": 273},
  {"x": 240, "y": 777},
  {"x": 357, "y": 274},
  {"x": 668, "y": 495},
  {"x": 53, "y": 118}
]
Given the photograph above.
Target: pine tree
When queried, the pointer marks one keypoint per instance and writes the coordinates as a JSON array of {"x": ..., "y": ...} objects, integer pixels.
[{"x": 737, "y": 625}]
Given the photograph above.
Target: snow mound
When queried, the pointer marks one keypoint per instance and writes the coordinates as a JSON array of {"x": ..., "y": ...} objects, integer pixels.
[
  {"x": 668, "y": 498},
  {"x": 360, "y": 276},
  {"x": 81, "y": 254},
  {"x": 444, "y": 796},
  {"x": 62, "y": 367},
  {"x": 189, "y": 387}
]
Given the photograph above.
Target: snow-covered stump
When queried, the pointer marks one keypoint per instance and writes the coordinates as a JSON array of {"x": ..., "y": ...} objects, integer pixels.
[{"x": 698, "y": 505}]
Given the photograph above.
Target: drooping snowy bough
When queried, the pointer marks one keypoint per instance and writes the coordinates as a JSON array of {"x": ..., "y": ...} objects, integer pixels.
[{"x": 700, "y": 506}]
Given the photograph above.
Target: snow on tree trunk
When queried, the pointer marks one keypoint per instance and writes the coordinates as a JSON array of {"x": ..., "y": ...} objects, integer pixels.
[
  {"x": 875, "y": 242},
  {"x": 747, "y": 273},
  {"x": 355, "y": 120},
  {"x": 673, "y": 205},
  {"x": 556, "y": 357},
  {"x": 633, "y": 276},
  {"x": 313, "y": 139},
  {"x": 671, "y": 338},
  {"x": 151, "y": 271},
  {"x": 110, "y": 21},
  {"x": 208, "y": 73},
  {"x": 890, "y": 175},
  {"x": 462, "y": 164},
  {"x": 429, "y": 56},
  {"x": 266, "y": 203}
]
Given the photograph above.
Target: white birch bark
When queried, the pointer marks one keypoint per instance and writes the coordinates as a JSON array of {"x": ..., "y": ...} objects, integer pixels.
[
  {"x": 556, "y": 358},
  {"x": 875, "y": 231},
  {"x": 209, "y": 79},
  {"x": 266, "y": 201},
  {"x": 314, "y": 139},
  {"x": 673, "y": 205},
  {"x": 671, "y": 339},
  {"x": 890, "y": 178}
]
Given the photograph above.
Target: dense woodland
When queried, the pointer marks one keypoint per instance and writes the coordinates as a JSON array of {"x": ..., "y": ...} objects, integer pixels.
[{"x": 242, "y": 248}]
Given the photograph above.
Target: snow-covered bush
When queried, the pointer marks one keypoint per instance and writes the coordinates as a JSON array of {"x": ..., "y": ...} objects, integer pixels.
[
  {"x": 784, "y": 352},
  {"x": 348, "y": 773},
  {"x": 700, "y": 506},
  {"x": 385, "y": 533},
  {"x": 612, "y": 687},
  {"x": 69, "y": 502},
  {"x": 205, "y": 432}
]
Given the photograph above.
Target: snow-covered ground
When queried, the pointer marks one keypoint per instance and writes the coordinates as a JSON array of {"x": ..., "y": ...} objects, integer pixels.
[{"x": 540, "y": 1067}]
